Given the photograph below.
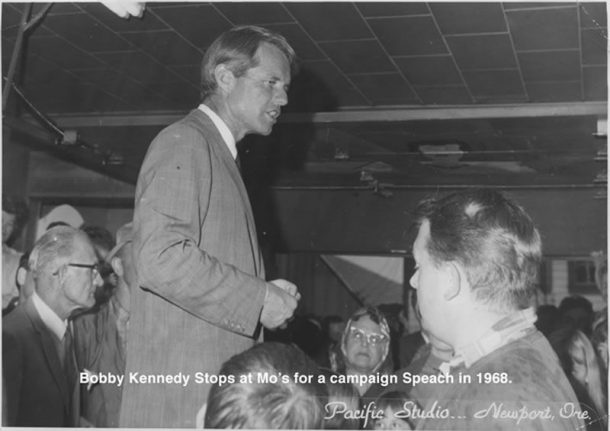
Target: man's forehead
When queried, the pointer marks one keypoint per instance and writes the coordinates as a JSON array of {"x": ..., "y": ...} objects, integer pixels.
[
  {"x": 82, "y": 246},
  {"x": 271, "y": 60}
]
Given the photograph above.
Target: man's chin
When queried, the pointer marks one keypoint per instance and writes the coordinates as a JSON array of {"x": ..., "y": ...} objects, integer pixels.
[{"x": 266, "y": 131}]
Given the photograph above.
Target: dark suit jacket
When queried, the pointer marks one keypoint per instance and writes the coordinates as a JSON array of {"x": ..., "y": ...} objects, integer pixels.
[
  {"x": 200, "y": 269},
  {"x": 35, "y": 384}
]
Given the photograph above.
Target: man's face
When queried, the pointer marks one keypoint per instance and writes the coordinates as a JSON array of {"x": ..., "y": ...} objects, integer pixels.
[
  {"x": 79, "y": 283},
  {"x": 8, "y": 224},
  {"x": 256, "y": 98},
  {"x": 429, "y": 281}
]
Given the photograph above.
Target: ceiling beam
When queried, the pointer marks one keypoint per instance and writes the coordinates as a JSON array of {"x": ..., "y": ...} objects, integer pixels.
[
  {"x": 35, "y": 138},
  {"x": 161, "y": 118}
]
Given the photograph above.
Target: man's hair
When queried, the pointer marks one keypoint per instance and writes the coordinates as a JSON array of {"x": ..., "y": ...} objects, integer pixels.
[
  {"x": 256, "y": 404},
  {"x": 575, "y": 301},
  {"x": 341, "y": 392},
  {"x": 493, "y": 239},
  {"x": 99, "y": 236},
  {"x": 53, "y": 244},
  {"x": 237, "y": 49}
]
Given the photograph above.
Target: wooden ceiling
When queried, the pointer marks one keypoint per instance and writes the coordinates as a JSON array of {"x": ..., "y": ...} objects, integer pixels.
[{"x": 398, "y": 94}]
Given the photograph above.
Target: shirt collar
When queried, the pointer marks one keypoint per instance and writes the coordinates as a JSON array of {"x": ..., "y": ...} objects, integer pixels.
[
  {"x": 49, "y": 317},
  {"x": 504, "y": 331},
  {"x": 222, "y": 127}
]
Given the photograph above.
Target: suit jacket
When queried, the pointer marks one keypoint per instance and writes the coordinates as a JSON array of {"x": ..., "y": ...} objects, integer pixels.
[
  {"x": 100, "y": 349},
  {"x": 200, "y": 270},
  {"x": 35, "y": 384}
]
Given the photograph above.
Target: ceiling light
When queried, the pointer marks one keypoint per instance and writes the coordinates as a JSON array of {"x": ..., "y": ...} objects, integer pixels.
[
  {"x": 602, "y": 128},
  {"x": 125, "y": 8},
  {"x": 449, "y": 153}
]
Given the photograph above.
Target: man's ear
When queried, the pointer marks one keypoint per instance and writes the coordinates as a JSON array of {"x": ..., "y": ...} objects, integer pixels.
[
  {"x": 224, "y": 77},
  {"x": 117, "y": 266},
  {"x": 21, "y": 276},
  {"x": 456, "y": 279}
]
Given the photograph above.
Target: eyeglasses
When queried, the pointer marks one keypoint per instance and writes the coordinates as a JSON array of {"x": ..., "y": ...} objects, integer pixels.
[
  {"x": 371, "y": 338},
  {"x": 95, "y": 268}
]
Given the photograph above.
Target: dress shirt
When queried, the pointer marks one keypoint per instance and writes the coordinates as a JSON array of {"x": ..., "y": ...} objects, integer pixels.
[
  {"x": 49, "y": 317},
  {"x": 222, "y": 127}
]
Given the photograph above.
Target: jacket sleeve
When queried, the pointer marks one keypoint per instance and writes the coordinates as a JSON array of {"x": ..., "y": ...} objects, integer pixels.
[{"x": 172, "y": 203}]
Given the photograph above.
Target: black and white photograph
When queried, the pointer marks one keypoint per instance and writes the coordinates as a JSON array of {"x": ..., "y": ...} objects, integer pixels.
[{"x": 305, "y": 215}]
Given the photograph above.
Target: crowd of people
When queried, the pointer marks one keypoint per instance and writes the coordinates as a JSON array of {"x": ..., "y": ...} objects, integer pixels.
[{"x": 171, "y": 322}]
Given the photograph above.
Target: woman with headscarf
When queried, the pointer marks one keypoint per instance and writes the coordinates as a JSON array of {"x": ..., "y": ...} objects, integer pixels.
[{"x": 365, "y": 345}]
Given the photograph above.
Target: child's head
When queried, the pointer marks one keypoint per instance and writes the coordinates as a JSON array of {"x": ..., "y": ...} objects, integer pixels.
[
  {"x": 346, "y": 395},
  {"x": 392, "y": 403}
]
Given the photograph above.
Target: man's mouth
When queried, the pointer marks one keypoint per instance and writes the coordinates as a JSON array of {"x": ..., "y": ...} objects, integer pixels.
[{"x": 273, "y": 114}]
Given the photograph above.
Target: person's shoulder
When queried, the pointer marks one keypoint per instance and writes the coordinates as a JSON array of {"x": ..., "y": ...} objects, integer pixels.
[
  {"x": 531, "y": 350},
  {"x": 190, "y": 133},
  {"x": 10, "y": 253},
  {"x": 524, "y": 366},
  {"x": 16, "y": 322}
]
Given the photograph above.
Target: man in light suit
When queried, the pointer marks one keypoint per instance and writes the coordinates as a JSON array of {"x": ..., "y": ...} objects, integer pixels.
[
  {"x": 39, "y": 369},
  {"x": 202, "y": 284}
]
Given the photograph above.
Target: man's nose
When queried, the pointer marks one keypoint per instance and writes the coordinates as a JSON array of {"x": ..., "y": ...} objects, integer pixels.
[
  {"x": 281, "y": 97},
  {"x": 98, "y": 281}
]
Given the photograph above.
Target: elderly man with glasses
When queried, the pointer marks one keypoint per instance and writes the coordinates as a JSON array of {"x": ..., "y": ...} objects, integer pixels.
[{"x": 39, "y": 367}]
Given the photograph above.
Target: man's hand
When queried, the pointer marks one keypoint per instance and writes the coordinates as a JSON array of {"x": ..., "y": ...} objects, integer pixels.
[{"x": 280, "y": 303}]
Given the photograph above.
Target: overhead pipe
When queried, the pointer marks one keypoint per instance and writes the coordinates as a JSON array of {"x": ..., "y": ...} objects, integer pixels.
[{"x": 24, "y": 27}]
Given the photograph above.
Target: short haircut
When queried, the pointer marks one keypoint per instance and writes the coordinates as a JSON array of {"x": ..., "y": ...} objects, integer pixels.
[
  {"x": 283, "y": 404},
  {"x": 53, "y": 244},
  {"x": 493, "y": 239},
  {"x": 575, "y": 301},
  {"x": 345, "y": 393},
  {"x": 327, "y": 321},
  {"x": 237, "y": 49},
  {"x": 393, "y": 399}
]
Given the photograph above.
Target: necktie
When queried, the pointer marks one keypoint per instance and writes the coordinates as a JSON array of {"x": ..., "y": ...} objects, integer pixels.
[{"x": 71, "y": 372}]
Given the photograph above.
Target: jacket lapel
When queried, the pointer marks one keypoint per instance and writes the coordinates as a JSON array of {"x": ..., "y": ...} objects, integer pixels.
[
  {"x": 206, "y": 126},
  {"x": 46, "y": 338}
]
